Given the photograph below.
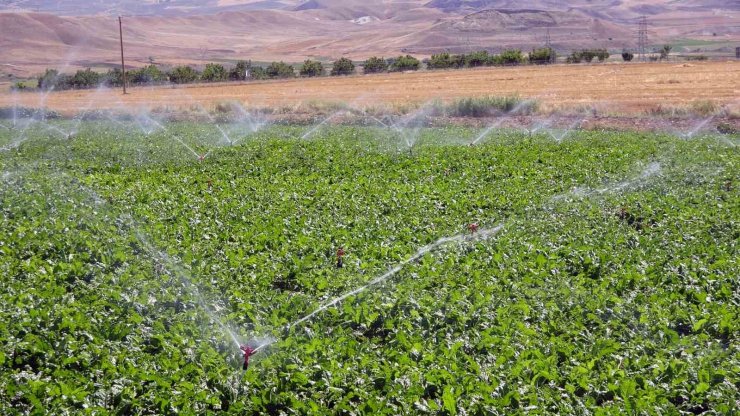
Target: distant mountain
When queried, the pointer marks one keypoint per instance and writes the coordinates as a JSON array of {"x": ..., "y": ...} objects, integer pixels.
[{"x": 35, "y": 34}]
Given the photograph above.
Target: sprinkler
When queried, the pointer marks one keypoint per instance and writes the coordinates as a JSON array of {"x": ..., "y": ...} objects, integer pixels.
[
  {"x": 201, "y": 158},
  {"x": 248, "y": 352},
  {"x": 340, "y": 258},
  {"x": 473, "y": 227}
]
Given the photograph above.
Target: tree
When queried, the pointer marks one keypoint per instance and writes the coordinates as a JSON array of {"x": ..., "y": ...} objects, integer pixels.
[
  {"x": 665, "y": 51},
  {"x": 440, "y": 61},
  {"x": 476, "y": 59},
  {"x": 183, "y": 75},
  {"x": 113, "y": 78},
  {"x": 627, "y": 56},
  {"x": 458, "y": 60},
  {"x": 343, "y": 66},
  {"x": 375, "y": 65},
  {"x": 405, "y": 63},
  {"x": 543, "y": 56},
  {"x": 214, "y": 73},
  {"x": 85, "y": 79},
  {"x": 150, "y": 74},
  {"x": 601, "y": 54},
  {"x": 239, "y": 72},
  {"x": 280, "y": 70},
  {"x": 48, "y": 80},
  {"x": 257, "y": 72},
  {"x": 509, "y": 57},
  {"x": 311, "y": 69}
]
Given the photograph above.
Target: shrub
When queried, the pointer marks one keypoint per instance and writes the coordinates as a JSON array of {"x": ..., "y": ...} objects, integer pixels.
[
  {"x": 343, "y": 66},
  {"x": 311, "y": 69},
  {"x": 19, "y": 86},
  {"x": 85, "y": 79},
  {"x": 280, "y": 70},
  {"x": 601, "y": 54},
  {"x": 627, "y": 56},
  {"x": 476, "y": 59},
  {"x": 183, "y": 75},
  {"x": 440, "y": 61},
  {"x": 112, "y": 78},
  {"x": 239, "y": 72},
  {"x": 458, "y": 61},
  {"x": 375, "y": 65},
  {"x": 214, "y": 73},
  {"x": 705, "y": 107},
  {"x": 542, "y": 56},
  {"x": 486, "y": 106},
  {"x": 727, "y": 128},
  {"x": 405, "y": 63},
  {"x": 48, "y": 80},
  {"x": 509, "y": 57},
  {"x": 697, "y": 58},
  {"x": 257, "y": 72},
  {"x": 665, "y": 51},
  {"x": 148, "y": 75}
]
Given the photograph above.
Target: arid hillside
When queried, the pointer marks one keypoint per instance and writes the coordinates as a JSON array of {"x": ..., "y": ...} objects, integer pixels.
[{"x": 73, "y": 34}]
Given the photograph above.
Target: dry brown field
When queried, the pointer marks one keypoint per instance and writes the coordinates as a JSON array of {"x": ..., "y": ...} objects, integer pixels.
[{"x": 611, "y": 88}]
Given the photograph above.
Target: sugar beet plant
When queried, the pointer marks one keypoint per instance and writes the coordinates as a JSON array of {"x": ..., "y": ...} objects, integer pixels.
[{"x": 611, "y": 286}]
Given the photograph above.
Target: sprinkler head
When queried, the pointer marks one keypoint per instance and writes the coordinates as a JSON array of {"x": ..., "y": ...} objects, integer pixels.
[
  {"x": 340, "y": 259},
  {"x": 201, "y": 158},
  {"x": 473, "y": 227},
  {"x": 248, "y": 352}
]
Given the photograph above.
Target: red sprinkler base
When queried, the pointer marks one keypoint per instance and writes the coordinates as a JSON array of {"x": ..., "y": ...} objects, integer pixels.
[
  {"x": 248, "y": 352},
  {"x": 340, "y": 258},
  {"x": 201, "y": 158},
  {"x": 473, "y": 227}
]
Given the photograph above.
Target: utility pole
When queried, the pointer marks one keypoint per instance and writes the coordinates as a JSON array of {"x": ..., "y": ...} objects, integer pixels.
[
  {"x": 642, "y": 37},
  {"x": 548, "y": 45},
  {"x": 123, "y": 63}
]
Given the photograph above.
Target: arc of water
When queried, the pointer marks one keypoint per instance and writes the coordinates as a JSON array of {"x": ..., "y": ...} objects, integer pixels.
[
  {"x": 310, "y": 132},
  {"x": 481, "y": 234}
]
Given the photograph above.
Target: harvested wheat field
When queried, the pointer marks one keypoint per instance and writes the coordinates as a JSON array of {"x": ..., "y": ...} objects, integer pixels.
[{"x": 618, "y": 88}]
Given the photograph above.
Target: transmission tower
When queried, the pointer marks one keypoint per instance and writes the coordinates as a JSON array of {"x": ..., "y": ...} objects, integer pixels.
[
  {"x": 548, "y": 45},
  {"x": 642, "y": 37}
]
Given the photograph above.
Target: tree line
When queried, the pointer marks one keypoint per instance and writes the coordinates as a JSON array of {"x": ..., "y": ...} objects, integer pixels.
[{"x": 246, "y": 70}]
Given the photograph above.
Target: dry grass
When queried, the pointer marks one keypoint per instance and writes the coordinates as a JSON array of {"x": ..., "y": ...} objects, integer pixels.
[{"x": 619, "y": 88}]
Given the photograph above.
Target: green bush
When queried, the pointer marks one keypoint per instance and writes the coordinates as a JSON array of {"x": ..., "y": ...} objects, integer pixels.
[
  {"x": 19, "y": 86},
  {"x": 239, "y": 72},
  {"x": 214, "y": 73},
  {"x": 479, "y": 58},
  {"x": 405, "y": 63},
  {"x": 601, "y": 54},
  {"x": 587, "y": 55},
  {"x": 85, "y": 79},
  {"x": 280, "y": 70},
  {"x": 343, "y": 66},
  {"x": 440, "y": 61},
  {"x": 375, "y": 65},
  {"x": 48, "y": 80},
  {"x": 509, "y": 57},
  {"x": 486, "y": 106},
  {"x": 183, "y": 75},
  {"x": 112, "y": 78},
  {"x": 311, "y": 69},
  {"x": 150, "y": 74},
  {"x": 542, "y": 56}
]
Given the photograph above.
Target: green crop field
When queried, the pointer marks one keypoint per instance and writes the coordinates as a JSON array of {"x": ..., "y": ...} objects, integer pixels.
[{"x": 594, "y": 274}]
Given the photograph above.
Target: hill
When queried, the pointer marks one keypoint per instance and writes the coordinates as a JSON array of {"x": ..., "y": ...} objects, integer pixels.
[{"x": 75, "y": 34}]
